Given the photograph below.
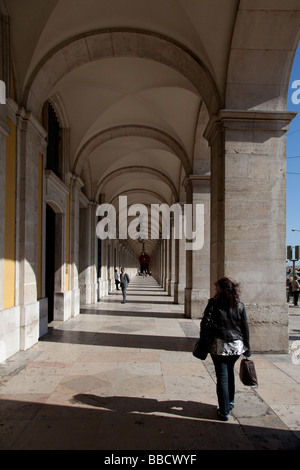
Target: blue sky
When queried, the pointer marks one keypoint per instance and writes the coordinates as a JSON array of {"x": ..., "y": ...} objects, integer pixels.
[{"x": 293, "y": 164}]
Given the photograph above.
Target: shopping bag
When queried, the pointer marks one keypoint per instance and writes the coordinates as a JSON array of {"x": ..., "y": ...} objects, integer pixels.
[{"x": 248, "y": 373}]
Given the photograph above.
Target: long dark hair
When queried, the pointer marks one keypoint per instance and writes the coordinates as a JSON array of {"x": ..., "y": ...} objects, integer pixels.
[{"x": 227, "y": 293}]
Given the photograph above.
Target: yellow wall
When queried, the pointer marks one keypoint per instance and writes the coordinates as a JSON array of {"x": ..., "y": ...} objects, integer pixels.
[{"x": 10, "y": 218}]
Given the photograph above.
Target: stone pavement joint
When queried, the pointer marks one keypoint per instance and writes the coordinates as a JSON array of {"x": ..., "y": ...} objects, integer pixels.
[{"x": 122, "y": 377}]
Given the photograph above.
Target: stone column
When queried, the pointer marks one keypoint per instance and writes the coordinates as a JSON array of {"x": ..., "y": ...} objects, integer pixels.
[
  {"x": 88, "y": 253},
  {"x": 162, "y": 262},
  {"x": 104, "y": 270},
  {"x": 166, "y": 264},
  {"x": 94, "y": 252},
  {"x": 75, "y": 189},
  {"x": 32, "y": 141},
  {"x": 180, "y": 270},
  {"x": 248, "y": 217},
  {"x": 171, "y": 280},
  {"x": 197, "y": 290},
  {"x": 110, "y": 267}
]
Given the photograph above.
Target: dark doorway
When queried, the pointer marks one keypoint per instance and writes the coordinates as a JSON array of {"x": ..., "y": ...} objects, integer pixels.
[{"x": 50, "y": 260}]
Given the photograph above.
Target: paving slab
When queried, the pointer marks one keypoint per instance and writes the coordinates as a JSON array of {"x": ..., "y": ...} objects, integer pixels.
[{"x": 122, "y": 377}]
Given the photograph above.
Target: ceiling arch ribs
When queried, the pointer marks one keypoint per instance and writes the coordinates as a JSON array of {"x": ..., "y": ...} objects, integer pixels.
[
  {"x": 150, "y": 197},
  {"x": 153, "y": 234},
  {"x": 89, "y": 48},
  {"x": 131, "y": 130},
  {"x": 123, "y": 42},
  {"x": 107, "y": 179},
  {"x": 153, "y": 194}
]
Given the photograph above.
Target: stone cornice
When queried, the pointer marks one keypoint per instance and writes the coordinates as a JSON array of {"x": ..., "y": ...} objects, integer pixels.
[
  {"x": 74, "y": 180},
  {"x": 27, "y": 121},
  {"x": 57, "y": 183},
  {"x": 195, "y": 179},
  {"x": 230, "y": 119}
]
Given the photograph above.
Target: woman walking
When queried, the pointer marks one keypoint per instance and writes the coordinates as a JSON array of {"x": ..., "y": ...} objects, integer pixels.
[{"x": 225, "y": 322}]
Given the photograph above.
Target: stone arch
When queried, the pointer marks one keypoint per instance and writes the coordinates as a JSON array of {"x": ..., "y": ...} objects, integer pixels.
[
  {"x": 114, "y": 42},
  {"x": 139, "y": 191},
  {"x": 201, "y": 158},
  {"x": 261, "y": 58},
  {"x": 56, "y": 206},
  {"x": 141, "y": 169},
  {"x": 131, "y": 130}
]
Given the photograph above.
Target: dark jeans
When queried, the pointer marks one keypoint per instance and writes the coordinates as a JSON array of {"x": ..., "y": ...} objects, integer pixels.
[
  {"x": 296, "y": 296},
  {"x": 224, "y": 367}
]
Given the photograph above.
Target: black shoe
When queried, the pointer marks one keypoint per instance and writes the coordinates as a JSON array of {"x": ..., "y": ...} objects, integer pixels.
[{"x": 222, "y": 417}]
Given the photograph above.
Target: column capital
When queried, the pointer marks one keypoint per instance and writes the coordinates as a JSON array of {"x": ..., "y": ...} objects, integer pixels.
[
  {"x": 27, "y": 121},
  {"x": 74, "y": 180},
  {"x": 231, "y": 119},
  {"x": 192, "y": 180},
  {"x": 93, "y": 205}
]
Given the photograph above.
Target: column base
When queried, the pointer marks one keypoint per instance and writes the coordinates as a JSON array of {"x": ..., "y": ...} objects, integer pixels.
[
  {"x": 62, "y": 306},
  {"x": 29, "y": 327},
  {"x": 88, "y": 294},
  {"x": 9, "y": 332},
  {"x": 179, "y": 293},
  {"x": 195, "y": 302},
  {"x": 171, "y": 287},
  {"x": 103, "y": 288},
  {"x": 268, "y": 325}
]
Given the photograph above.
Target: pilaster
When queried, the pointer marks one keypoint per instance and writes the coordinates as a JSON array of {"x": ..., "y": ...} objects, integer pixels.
[
  {"x": 198, "y": 260},
  {"x": 31, "y": 138},
  {"x": 248, "y": 216}
]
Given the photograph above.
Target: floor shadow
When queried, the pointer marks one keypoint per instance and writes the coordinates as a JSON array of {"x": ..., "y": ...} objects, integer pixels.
[
  {"x": 120, "y": 340},
  {"x": 144, "y": 292},
  {"x": 142, "y": 302},
  {"x": 123, "y": 423},
  {"x": 124, "y": 404},
  {"x": 130, "y": 313}
]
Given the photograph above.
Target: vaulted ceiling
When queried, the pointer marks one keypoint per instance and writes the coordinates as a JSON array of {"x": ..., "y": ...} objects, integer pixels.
[{"x": 134, "y": 81}]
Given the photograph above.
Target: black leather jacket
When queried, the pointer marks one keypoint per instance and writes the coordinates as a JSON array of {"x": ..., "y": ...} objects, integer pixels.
[{"x": 226, "y": 324}]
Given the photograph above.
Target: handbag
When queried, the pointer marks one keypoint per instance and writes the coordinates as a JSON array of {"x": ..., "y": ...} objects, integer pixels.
[
  {"x": 248, "y": 373},
  {"x": 202, "y": 346},
  {"x": 200, "y": 350}
]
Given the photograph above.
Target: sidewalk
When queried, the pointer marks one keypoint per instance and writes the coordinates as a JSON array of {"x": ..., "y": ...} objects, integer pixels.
[{"x": 122, "y": 377}]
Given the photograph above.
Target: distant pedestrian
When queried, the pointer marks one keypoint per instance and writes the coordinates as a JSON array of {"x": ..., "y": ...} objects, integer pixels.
[
  {"x": 225, "y": 321},
  {"x": 288, "y": 289},
  {"x": 117, "y": 282},
  {"x": 295, "y": 289},
  {"x": 124, "y": 278}
]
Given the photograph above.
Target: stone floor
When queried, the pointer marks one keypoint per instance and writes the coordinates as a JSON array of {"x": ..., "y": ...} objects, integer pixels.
[{"x": 122, "y": 377}]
